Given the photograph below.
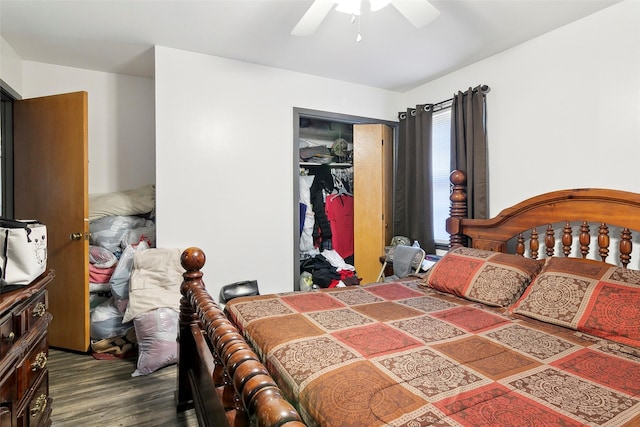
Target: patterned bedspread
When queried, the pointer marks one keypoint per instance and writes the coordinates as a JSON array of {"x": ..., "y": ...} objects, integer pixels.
[{"x": 397, "y": 354}]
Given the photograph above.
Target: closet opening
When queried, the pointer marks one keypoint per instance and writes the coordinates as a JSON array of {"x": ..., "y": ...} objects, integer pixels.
[{"x": 323, "y": 160}]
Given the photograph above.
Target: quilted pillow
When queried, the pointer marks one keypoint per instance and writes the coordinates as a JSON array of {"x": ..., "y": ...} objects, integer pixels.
[
  {"x": 589, "y": 296},
  {"x": 492, "y": 278}
]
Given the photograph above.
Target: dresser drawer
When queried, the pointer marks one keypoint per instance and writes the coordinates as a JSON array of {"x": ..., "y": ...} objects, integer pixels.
[
  {"x": 34, "y": 365},
  {"x": 8, "y": 387},
  {"x": 9, "y": 333},
  {"x": 35, "y": 310},
  {"x": 20, "y": 319},
  {"x": 8, "y": 398},
  {"x": 37, "y": 411}
]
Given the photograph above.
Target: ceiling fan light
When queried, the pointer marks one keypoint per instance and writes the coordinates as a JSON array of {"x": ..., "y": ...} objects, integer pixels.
[
  {"x": 352, "y": 7},
  {"x": 378, "y": 4}
]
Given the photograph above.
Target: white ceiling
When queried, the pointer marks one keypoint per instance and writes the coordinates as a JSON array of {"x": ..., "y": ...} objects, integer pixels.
[{"x": 117, "y": 35}]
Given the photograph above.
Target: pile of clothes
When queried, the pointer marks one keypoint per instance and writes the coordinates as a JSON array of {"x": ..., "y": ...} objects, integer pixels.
[
  {"x": 327, "y": 270},
  {"x": 134, "y": 286},
  {"x": 111, "y": 249}
]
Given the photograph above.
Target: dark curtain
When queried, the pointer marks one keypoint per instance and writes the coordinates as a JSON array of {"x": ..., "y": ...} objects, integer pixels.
[
  {"x": 469, "y": 146},
  {"x": 413, "y": 216}
]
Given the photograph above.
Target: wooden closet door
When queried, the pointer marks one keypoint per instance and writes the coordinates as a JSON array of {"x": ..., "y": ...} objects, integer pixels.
[
  {"x": 372, "y": 202},
  {"x": 51, "y": 185}
]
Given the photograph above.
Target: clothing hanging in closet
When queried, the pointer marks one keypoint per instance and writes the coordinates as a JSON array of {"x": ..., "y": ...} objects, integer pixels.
[
  {"x": 339, "y": 208},
  {"x": 326, "y": 211},
  {"x": 322, "y": 184}
]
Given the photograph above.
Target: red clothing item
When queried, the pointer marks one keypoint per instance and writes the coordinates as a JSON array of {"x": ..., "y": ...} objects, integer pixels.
[
  {"x": 339, "y": 208},
  {"x": 344, "y": 276},
  {"x": 100, "y": 275}
]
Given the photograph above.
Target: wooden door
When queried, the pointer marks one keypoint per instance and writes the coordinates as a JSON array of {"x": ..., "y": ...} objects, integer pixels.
[
  {"x": 51, "y": 185},
  {"x": 372, "y": 202}
]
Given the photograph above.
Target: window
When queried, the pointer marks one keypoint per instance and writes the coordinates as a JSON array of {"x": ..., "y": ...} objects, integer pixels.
[{"x": 441, "y": 164}]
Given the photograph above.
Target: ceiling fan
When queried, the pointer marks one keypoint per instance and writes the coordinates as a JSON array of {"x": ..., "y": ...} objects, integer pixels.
[{"x": 417, "y": 12}]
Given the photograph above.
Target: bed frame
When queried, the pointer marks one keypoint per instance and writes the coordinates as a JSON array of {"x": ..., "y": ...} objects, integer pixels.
[
  {"x": 574, "y": 210},
  {"x": 218, "y": 373},
  {"x": 222, "y": 378}
]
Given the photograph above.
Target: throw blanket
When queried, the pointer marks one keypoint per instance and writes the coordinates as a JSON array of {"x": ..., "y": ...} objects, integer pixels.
[{"x": 395, "y": 354}]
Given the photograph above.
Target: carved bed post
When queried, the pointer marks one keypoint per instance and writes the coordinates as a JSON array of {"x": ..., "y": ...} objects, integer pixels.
[
  {"x": 192, "y": 260},
  {"x": 584, "y": 239},
  {"x": 603, "y": 241},
  {"x": 625, "y": 247},
  {"x": 567, "y": 239},
  {"x": 550, "y": 241},
  {"x": 458, "y": 208}
]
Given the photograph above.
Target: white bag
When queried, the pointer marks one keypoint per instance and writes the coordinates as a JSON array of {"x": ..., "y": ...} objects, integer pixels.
[{"x": 23, "y": 251}]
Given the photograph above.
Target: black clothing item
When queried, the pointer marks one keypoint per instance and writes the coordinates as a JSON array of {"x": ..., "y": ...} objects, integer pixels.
[
  {"x": 323, "y": 180},
  {"x": 322, "y": 272},
  {"x": 322, "y": 226}
]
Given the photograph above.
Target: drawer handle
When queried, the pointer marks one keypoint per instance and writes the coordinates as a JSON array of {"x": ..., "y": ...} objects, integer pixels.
[
  {"x": 12, "y": 336},
  {"x": 40, "y": 362},
  {"x": 39, "y": 310},
  {"x": 40, "y": 406}
]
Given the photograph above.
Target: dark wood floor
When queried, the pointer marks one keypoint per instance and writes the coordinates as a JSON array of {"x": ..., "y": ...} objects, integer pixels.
[{"x": 102, "y": 393}]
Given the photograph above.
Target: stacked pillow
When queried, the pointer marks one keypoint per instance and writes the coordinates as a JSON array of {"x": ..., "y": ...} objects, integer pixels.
[
  {"x": 589, "y": 296},
  {"x": 492, "y": 278},
  {"x": 585, "y": 295}
]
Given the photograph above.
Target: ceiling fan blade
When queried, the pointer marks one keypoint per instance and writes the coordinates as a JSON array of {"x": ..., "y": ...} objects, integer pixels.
[
  {"x": 312, "y": 19},
  {"x": 418, "y": 12}
]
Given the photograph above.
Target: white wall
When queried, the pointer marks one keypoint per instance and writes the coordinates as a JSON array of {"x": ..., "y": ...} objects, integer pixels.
[
  {"x": 224, "y": 141},
  {"x": 564, "y": 109},
  {"x": 121, "y": 121},
  {"x": 10, "y": 66}
]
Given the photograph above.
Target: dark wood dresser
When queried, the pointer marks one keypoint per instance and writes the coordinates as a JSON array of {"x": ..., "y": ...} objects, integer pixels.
[{"x": 24, "y": 378}]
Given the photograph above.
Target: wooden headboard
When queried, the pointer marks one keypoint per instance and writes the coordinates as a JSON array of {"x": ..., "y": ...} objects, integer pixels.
[{"x": 529, "y": 225}]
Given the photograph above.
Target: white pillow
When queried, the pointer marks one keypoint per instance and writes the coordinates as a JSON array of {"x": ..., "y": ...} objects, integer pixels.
[{"x": 138, "y": 201}]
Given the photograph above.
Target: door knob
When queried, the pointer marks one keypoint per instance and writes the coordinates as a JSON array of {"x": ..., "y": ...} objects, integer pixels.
[{"x": 75, "y": 236}]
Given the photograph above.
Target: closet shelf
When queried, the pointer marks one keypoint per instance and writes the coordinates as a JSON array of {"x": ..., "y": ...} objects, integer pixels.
[{"x": 331, "y": 165}]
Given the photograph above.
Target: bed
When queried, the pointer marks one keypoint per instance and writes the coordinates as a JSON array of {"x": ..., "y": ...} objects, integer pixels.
[{"x": 531, "y": 318}]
